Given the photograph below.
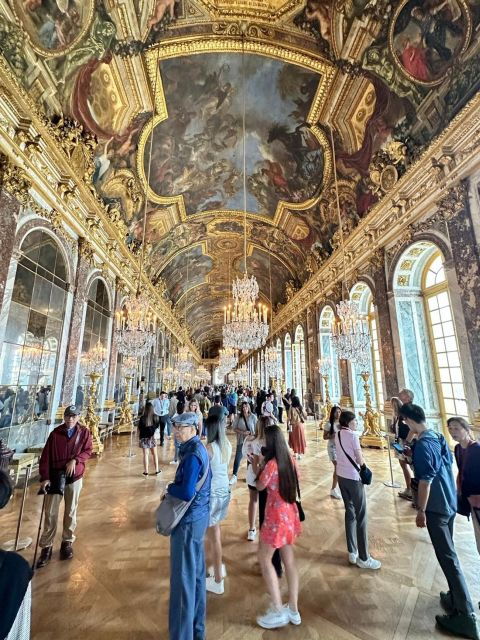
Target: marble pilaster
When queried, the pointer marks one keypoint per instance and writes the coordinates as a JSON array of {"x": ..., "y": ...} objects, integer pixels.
[
  {"x": 112, "y": 363},
  {"x": 466, "y": 261},
  {"x": 75, "y": 332},
  {"x": 384, "y": 328},
  {"x": 9, "y": 207}
]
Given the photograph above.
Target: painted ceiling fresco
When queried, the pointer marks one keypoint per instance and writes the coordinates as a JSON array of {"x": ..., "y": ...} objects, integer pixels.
[
  {"x": 197, "y": 152},
  {"x": 398, "y": 71}
]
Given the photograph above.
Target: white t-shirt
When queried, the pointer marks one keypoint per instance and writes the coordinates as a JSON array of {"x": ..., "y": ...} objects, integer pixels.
[{"x": 252, "y": 447}]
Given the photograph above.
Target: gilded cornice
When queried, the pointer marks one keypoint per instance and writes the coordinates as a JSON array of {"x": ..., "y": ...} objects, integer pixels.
[
  {"x": 431, "y": 187},
  {"x": 41, "y": 173}
]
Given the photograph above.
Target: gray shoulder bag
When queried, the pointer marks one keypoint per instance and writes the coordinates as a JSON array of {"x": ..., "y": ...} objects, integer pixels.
[{"x": 171, "y": 510}]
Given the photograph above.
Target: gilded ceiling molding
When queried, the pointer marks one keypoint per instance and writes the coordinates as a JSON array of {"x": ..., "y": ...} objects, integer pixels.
[
  {"x": 58, "y": 167},
  {"x": 403, "y": 210}
]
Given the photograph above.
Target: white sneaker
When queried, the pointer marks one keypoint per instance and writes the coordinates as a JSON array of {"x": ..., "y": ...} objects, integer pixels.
[
  {"x": 215, "y": 587},
  {"x": 233, "y": 480},
  {"x": 293, "y": 616},
  {"x": 371, "y": 563},
  {"x": 273, "y": 619},
  {"x": 211, "y": 572},
  {"x": 251, "y": 535},
  {"x": 173, "y": 462},
  {"x": 352, "y": 558},
  {"x": 335, "y": 493}
]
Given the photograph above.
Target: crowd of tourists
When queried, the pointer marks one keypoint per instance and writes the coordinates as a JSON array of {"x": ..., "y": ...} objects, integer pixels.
[{"x": 268, "y": 431}]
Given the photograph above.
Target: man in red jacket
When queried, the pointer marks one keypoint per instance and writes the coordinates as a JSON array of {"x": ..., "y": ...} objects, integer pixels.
[{"x": 67, "y": 449}]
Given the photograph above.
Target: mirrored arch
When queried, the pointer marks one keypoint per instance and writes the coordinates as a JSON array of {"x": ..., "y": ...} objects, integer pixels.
[
  {"x": 327, "y": 352},
  {"x": 287, "y": 343}
]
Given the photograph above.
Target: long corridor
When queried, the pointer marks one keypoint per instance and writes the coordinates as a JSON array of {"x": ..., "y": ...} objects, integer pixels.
[{"x": 117, "y": 585}]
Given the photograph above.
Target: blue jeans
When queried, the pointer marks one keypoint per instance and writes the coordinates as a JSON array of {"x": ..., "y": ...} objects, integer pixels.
[
  {"x": 168, "y": 426},
  {"x": 188, "y": 596}
]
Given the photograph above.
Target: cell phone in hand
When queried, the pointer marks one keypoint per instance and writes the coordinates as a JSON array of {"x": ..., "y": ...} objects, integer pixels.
[{"x": 398, "y": 448}]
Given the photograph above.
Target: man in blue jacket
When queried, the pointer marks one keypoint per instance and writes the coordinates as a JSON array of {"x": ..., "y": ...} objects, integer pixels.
[
  {"x": 437, "y": 507},
  {"x": 187, "y": 557}
]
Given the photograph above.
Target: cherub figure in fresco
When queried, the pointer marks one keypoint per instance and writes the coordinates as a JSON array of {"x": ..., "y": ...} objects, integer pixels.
[
  {"x": 161, "y": 7},
  {"x": 319, "y": 11}
]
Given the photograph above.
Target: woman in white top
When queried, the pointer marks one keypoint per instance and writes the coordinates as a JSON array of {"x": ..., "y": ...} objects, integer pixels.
[
  {"x": 219, "y": 451},
  {"x": 329, "y": 432}
]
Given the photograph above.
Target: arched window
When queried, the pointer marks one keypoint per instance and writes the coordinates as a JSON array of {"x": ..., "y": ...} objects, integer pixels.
[
  {"x": 288, "y": 361},
  {"x": 299, "y": 366},
  {"x": 428, "y": 340},
  {"x": 97, "y": 328},
  {"x": 327, "y": 351},
  {"x": 29, "y": 356},
  {"x": 279, "y": 363},
  {"x": 361, "y": 294}
]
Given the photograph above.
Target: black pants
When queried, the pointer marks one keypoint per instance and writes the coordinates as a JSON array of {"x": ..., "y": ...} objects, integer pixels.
[
  {"x": 162, "y": 425},
  {"x": 276, "y": 559},
  {"x": 440, "y": 529},
  {"x": 280, "y": 414}
]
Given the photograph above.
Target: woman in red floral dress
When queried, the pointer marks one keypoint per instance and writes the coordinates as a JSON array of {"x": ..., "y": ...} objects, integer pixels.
[{"x": 279, "y": 529}]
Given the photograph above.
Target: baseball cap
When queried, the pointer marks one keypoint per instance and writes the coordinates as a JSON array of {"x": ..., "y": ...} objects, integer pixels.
[
  {"x": 71, "y": 411},
  {"x": 188, "y": 418}
]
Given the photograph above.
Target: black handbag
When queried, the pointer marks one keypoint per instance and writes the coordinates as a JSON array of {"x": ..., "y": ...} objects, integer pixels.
[
  {"x": 58, "y": 480},
  {"x": 301, "y": 512},
  {"x": 364, "y": 472}
]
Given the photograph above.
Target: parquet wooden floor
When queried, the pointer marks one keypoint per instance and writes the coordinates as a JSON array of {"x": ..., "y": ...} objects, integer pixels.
[{"x": 116, "y": 587}]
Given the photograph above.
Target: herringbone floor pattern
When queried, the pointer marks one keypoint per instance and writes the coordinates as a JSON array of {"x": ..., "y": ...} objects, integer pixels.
[{"x": 116, "y": 587}]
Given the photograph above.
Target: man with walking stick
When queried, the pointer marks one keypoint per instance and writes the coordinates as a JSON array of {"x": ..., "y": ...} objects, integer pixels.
[{"x": 62, "y": 465}]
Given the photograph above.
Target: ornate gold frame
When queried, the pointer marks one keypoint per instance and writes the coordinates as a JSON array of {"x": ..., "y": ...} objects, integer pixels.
[
  {"x": 48, "y": 53},
  {"x": 211, "y": 44},
  {"x": 468, "y": 35}
]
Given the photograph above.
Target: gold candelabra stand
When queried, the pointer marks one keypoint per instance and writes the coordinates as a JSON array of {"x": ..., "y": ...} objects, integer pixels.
[
  {"x": 327, "y": 405},
  {"x": 92, "y": 420},
  {"x": 125, "y": 422},
  {"x": 371, "y": 436}
]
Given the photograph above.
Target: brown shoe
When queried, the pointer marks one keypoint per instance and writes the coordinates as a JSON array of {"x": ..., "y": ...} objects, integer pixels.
[
  {"x": 45, "y": 557},
  {"x": 66, "y": 551}
]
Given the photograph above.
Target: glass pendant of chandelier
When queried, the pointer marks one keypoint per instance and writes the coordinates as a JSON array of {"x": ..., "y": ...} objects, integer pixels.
[
  {"x": 227, "y": 359},
  {"x": 184, "y": 361},
  {"x": 272, "y": 365},
  {"x": 245, "y": 325},
  {"x": 349, "y": 334}
]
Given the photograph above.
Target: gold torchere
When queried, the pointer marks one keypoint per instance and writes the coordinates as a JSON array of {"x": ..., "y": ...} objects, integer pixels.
[
  {"x": 91, "y": 418},
  {"x": 327, "y": 405},
  {"x": 371, "y": 436},
  {"x": 125, "y": 423}
]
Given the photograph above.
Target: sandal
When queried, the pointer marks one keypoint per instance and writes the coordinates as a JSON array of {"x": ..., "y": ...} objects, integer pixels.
[
  {"x": 157, "y": 472},
  {"x": 145, "y": 473}
]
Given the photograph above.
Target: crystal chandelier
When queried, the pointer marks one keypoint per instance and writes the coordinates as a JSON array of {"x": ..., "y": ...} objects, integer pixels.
[
  {"x": 245, "y": 326},
  {"x": 135, "y": 333},
  {"x": 203, "y": 374},
  {"x": 272, "y": 365},
  {"x": 129, "y": 365},
  {"x": 241, "y": 374},
  {"x": 228, "y": 359},
  {"x": 184, "y": 361},
  {"x": 350, "y": 336},
  {"x": 95, "y": 359}
]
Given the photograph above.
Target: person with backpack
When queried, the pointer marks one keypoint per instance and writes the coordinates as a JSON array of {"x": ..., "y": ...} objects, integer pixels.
[
  {"x": 232, "y": 399},
  {"x": 436, "y": 502}
]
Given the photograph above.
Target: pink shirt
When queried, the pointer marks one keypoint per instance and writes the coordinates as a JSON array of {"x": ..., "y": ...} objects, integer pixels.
[{"x": 351, "y": 444}]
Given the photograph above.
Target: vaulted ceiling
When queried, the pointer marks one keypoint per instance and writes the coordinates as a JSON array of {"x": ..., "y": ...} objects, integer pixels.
[{"x": 169, "y": 86}]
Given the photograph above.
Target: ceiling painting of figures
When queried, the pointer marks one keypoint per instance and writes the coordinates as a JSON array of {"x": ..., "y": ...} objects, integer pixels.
[
  {"x": 427, "y": 37},
  {"x": 54, "y": 27},
  {"x": 197, "y": 151},
  {"x": 186, "y": 270}
]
